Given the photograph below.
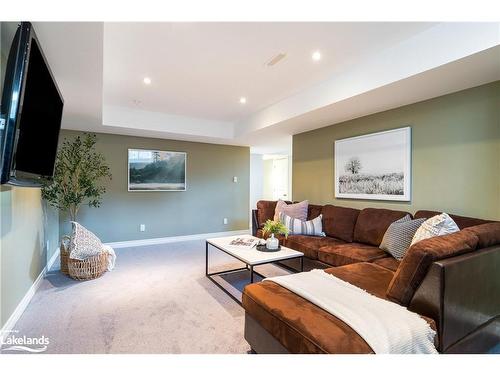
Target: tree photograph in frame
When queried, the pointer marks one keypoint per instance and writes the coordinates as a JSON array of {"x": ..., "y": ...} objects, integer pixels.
[
  {"x": 151, "y": 170},
  {"x": 374, "y": 166}
]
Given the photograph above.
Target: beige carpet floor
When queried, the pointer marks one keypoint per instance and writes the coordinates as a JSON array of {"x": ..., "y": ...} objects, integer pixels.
[{"x": 156, "y": 300}]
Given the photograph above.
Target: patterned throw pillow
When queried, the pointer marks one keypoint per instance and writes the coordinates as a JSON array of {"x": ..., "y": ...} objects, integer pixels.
[
  {"x": 312, "y": 227},
  {"x": 397, "y": 239},
  {"x": 295, "y": 210},
  {"x": 83, "y": 243},
  {"x": 438, "y": 225}
]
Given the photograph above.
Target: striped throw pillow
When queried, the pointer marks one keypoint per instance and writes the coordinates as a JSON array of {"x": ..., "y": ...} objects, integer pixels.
[
  {"x": 312, "y": 227},
  {"x": 397, "y": 239}
]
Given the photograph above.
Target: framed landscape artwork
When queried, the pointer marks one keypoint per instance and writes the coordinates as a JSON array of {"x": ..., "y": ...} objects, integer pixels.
[
  {"x": 151, "y": 170},
  {"x": 374, "y": 166}
]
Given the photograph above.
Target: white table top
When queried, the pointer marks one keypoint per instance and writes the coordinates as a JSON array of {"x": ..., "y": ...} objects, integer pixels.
[{"x": 252, "y": 256}]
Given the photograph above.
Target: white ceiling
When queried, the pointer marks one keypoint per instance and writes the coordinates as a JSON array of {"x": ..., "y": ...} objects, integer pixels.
[{"x": 200, "y": 70}]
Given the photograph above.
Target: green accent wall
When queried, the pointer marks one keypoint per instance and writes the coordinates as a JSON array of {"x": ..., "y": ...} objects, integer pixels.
[
  {"x": 455, "y": 154},
  {"x": 29, "y": 238},
  {"x": 211, "y": 193}
]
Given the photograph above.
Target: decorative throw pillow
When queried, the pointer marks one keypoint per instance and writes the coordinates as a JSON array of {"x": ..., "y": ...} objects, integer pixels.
[
  {"x": 295, "y": 210},
  {"x": 312, "y": 227},
  {"x": 83, "y": 243},
  {"x": 438, "y": 225},
  {"x": 397, "y": 238}
]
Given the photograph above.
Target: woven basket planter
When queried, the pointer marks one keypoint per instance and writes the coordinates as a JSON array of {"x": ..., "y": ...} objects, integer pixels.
[
  {"x": 64, "y": 255},
  {"x": 88, "y": 269}
]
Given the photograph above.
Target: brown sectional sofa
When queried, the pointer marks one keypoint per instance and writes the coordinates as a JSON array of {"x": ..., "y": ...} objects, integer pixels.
[{"x": 452, "y": 281}]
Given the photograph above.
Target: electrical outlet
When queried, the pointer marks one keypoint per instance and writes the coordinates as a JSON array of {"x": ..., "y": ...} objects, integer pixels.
[
  {"x": 225, "y": 220},
  {"x": 235, "y": 179},
  {"x": 142, "y": 227}
]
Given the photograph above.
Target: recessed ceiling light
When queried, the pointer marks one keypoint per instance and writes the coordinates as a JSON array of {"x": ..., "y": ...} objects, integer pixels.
[
  {"x": 316, "y": 56},
  {"x": 243, "y": 100},
  {"x": 147, "y": 80}
]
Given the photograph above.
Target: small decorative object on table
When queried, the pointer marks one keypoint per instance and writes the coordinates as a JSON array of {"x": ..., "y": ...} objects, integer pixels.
[
  {"x": 273, "y": 228},
  {"x": 264, "y": 248},
  {"x": 244, "y": 242}
]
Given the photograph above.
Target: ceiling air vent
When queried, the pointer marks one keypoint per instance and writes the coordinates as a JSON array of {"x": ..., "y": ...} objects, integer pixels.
[{"x": 276, "y": 59}]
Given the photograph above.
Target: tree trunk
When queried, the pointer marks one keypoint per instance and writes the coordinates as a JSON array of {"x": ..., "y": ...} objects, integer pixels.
[{"x": 73, "y": 211}]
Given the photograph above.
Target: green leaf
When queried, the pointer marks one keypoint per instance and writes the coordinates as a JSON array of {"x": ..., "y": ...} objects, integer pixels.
[
  {"x": 78, "y": 175},
  {"x": 276, "y": 227}
]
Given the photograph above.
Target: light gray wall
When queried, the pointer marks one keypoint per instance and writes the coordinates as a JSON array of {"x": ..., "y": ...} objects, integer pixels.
[
  {"x": 455, "y": 154},
  {"x": 29, "y": 238},
  {"x": 211, "y": 193}
]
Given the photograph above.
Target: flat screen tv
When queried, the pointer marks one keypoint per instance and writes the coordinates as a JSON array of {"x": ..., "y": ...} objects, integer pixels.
[{"x": 31, "y": 112}]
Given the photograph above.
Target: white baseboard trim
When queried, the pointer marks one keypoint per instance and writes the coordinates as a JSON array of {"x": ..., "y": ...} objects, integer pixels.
[
  {"x": 52, "y": 260},
  {"x": 162, "y": 240},
  {"x": 11, "y": 322}
]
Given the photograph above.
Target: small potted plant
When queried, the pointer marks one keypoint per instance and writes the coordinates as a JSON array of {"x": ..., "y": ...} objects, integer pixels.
[{"x": 272, "y": 228}]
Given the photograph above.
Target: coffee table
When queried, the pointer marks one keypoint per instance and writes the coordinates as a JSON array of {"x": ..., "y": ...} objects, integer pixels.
[{"x": 250, "y": 257}]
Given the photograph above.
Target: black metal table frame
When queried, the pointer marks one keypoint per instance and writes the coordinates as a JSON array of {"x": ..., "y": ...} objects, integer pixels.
[{"x": 248, "y": 267}]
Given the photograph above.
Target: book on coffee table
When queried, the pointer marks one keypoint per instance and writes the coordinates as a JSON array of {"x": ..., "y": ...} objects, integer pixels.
[{"x": 244, "y": 242}]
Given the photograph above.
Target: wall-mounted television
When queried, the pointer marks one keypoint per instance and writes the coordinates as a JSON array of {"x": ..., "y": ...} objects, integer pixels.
[{"x": 31, "y": 110}]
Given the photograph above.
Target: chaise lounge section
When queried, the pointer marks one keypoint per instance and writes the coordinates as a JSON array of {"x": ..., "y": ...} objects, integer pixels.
[{"x": 451, "y": 281}]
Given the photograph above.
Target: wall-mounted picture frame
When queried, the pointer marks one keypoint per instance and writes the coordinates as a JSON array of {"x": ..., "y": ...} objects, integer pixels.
[
  {"x": 153, "y": 170},
  {"x": 374, "y": 166}
]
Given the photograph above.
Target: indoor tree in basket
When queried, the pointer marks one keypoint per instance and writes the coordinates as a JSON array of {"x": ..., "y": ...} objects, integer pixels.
[
  {"x": 78, "y": 172},
  {"x": 272, "y": 228}
]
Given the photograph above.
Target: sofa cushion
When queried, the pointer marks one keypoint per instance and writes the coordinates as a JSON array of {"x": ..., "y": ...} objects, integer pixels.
[
  {"x": 265, "y": 211},
  {"x": 462, "y": 221},
  {"x": 314, "y": 210},
  {"x": 390, "y": 263},
  {"x": 419, "y": 258},
  {"x": 368, "y": 276},
  {"x": 372, "y": 224},
  {"x": 487, "y": 234},
  {"x": 302, "y": 327},
  {"x": 309, "y": 245},
  {"x": 348, "y": 253},
  {"x": 299, "y": 325},
  {"x": 339, "y": 222}
]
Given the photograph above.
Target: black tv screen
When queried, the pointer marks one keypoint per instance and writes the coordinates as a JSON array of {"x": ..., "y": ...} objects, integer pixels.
[{"x": 32, "y": 109}]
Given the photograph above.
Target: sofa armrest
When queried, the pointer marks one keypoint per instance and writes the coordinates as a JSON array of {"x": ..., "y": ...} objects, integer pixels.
[
  {"x": 255, "y": 222},
  {"x": 461, "y": 295}
]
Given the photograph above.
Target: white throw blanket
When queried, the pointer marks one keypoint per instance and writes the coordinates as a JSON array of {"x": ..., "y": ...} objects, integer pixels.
[
  {"x": 386, "y": 326},
  {"x": 111, "y": 256}
]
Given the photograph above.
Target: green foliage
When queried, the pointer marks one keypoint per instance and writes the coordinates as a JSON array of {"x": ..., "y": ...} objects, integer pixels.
[
  {"x": 78, "y": 171},
  {"x": 159, "y": 171},
  {"x": 276, "y": 227}
]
